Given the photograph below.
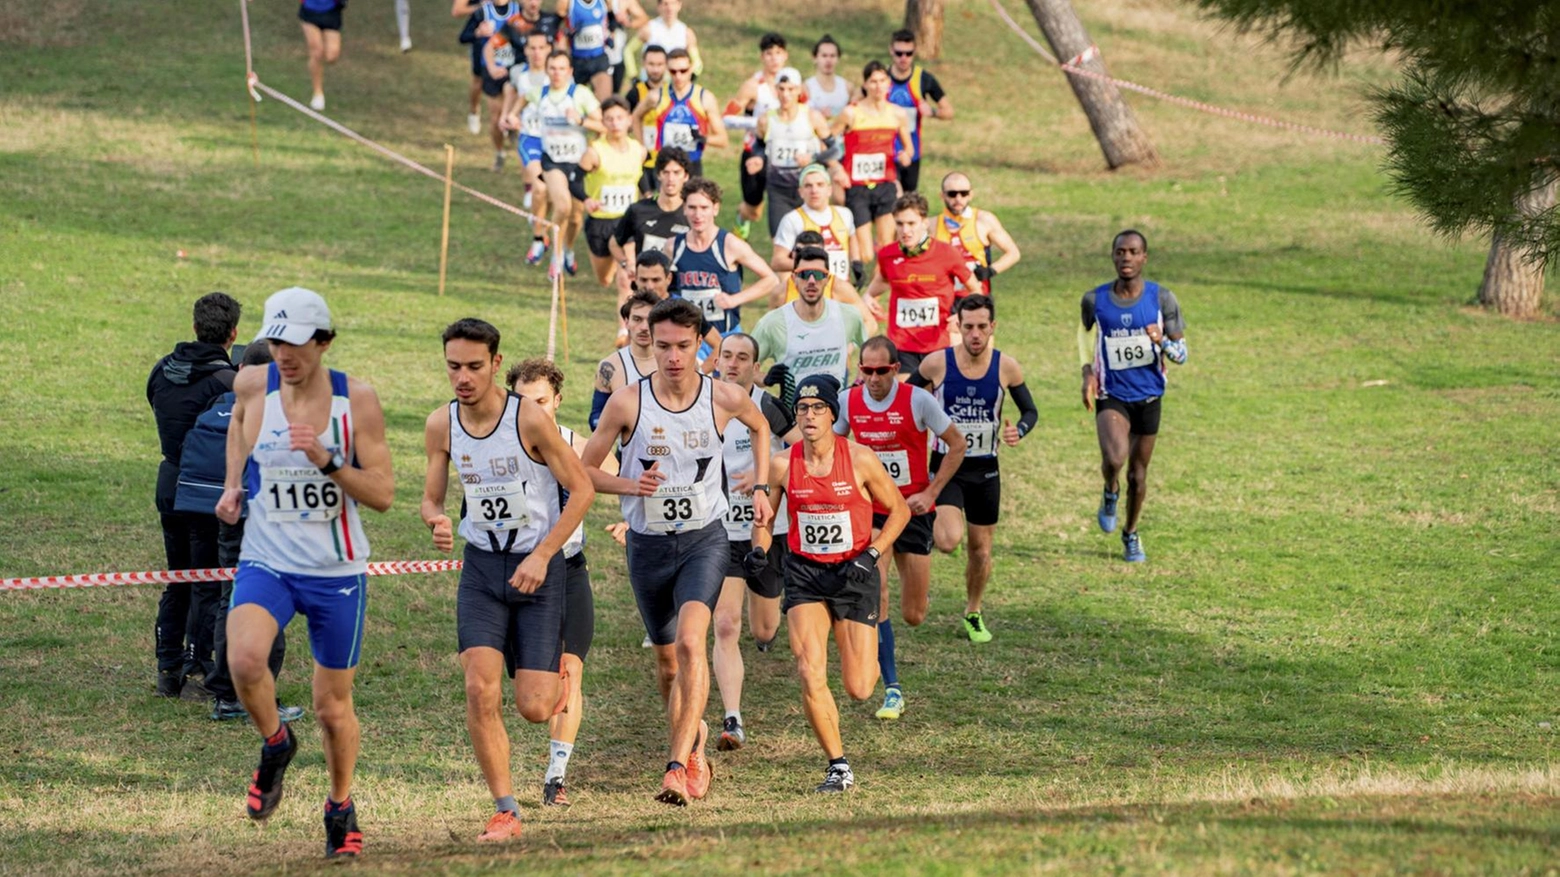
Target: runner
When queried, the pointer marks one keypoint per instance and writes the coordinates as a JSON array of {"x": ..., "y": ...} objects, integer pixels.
[
  {"x": 738, "y": 362},
  {"x": 755, "y": 98},
  {"x": 523, "y": 79},
  {"x": 501, "y": 53},
  {"x": 611, "y": 185},
  {"x": 627, "y": 364},
  {"x": 827, "y": 93},
  {"x": 512, "y": 463},
  {"x": 646, "y": 85},
  {"x": 919, "y": 273},
  {"x": 483, "y": 19},
  {"x": 539, "y": 380},
  {"x": 683, "y": 115},
  {"x": 787, "y": 139},
  {"x": 872, "y": 127},
  {"x": 812, "y": 334},
  {"x": 974, "y": 231},
  {"x": 651, "y": 222},
  {"x": 567, "y": 111},
  {"x": 589, "y": 23},
  {"x": 919, "y": 94},
  {"x": 831, "y": 486},
  {"x": 972, "y": 380},
  {"x": 1124, "y": 377},
  {"x": 708, "y": 260},
  {"x": 815, "y": 213},
  {"x": 671, "y": 425},
  {"x": 307, "y": 446},
  {"x": 668, "y": 31},
  {"x": 321, "y": 22},
  {"x": 627, "y": 15},
  {"x": 895, "y": 421}
]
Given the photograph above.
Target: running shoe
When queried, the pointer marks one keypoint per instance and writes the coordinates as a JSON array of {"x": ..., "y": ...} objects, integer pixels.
[
  {"x": 289, "y": 713},
  {"x": 498, "y": 162},
  {"x": 893, "y": 704},
  {"x": 474, "y": 122},
  {"x": 227, "y": 710},
  {"x": 744, "y": 228},
  {"x": 731, "y": 735},
  {"x": 265, "y": 787},
  {"x": 765, "y": 645},
  {"x": 975, "y": 626},
  {"x": 503, "y": 826},
  {"x": 674, "y": 788},
  {"x": 837, "y": 779},
  {"x": 406, "y": 44},
  {"x": 699, "y": 770},
  {"x": 317, "y": 103},
  {"x": 537, "y": 252},
  {"x": 1107, "y": 512},
  {"x": 554, "y": 794},
  {"x": 1132, "y": 548},
  {"x": 568, "y": 263},
  {"x": 342, "y": 838},
  {"x": 647, "y": 643}
]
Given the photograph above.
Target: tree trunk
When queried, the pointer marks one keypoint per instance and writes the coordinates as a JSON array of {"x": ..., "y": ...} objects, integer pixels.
[
  {"x": 924, "y": 18},
  {"x": 1115, "y": 126},
  {"x": 1513, "y": 281}
]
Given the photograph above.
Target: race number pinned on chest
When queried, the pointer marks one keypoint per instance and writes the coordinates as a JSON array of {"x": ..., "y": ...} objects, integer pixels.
[
  {"x": 916, "y": 313},
  {"x": 825, "y": 533},
  {"x": 1128, "y": 351},
  {"x": 497, "y": 507},
  {"x": 677, "y": 134},
  {"x": 299, "y": 495},
  {"x": 591, "y": 36},
  {"x": 675, "y": 507},
  {"x": 739, "y": 516},
  {"x": 564, "y": 143},
  {"x": 617, "y": 199},
  {"x": 980, "y": 438},
  {"x": 704, "y": 299},
  {"x": 839, "y": 264},
  {"x": 898, "y": 465},
  {"x": 868, "y": 167}
]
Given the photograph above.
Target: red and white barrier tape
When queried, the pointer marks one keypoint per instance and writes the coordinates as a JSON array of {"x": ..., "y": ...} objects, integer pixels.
[
  {"x": 1071, "y": 68},
  {"x": 172, "y": 576}
]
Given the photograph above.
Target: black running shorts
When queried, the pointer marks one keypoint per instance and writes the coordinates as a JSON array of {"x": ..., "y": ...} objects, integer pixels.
[
  {"x": 489, "y": 612},
  {"x": 1142, "y": 416},
  {"x": 808, "y": 581},
  {"x": 917, "y": 536},
  {"x": 976, "y": 489}
]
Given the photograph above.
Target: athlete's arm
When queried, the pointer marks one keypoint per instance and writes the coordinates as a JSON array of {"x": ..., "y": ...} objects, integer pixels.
[
  {"x": 621, "y": 413},
  {"x": 489, "y": 49},
  {"x": 540, "y": 433},
  {"x": 1174, "y": 342},
  {"x": 248, "y": 391},
  {"x": 635, "y": 14},
  {"x": 1086, "y": 345},
  {"x": 846, "y": 294},
  {"x": 609, "y": 465},
  {"x": 717, "y": 136},
  {"x": 694, "y": 57},
  {"x": 1012, "y": 376},
  {"x": 738, "y": 404},
  {"x": 512, "y": 111},
  {"x": 436, "y": 481},
  {"x": 876, "y": 287},
  {"x": 880, "y": 489},
  {"x": 590, "y": 160},
  {"x": 930, "y": 416},
  {"x": 931, "y": 372},
  {"x": 906, "y": 155},
  {"x": 591, "y": 121},
  {"x": 738, "y": 252},
  {"x": 942, "y": 108},
  {"x": 842, "y": 122},
  {"x": 999, "y": 238},
  {"x": 779, "y": 469}
]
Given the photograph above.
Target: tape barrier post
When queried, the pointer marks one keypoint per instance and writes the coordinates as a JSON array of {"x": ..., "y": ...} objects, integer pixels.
[
  {"x": 552, "y": 308},
  {"x": 172, "y": 576},
  {"x": 249, "y": 77},
  {"x": 444, "y": 234},
  {"x": 563, "y": 302}
]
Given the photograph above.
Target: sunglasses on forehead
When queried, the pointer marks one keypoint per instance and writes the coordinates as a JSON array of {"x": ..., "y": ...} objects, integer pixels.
[{"x": 878, "y": 369}]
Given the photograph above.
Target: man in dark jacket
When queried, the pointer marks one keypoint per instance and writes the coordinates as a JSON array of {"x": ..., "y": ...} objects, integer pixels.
[{"x": 181, "y": 386}]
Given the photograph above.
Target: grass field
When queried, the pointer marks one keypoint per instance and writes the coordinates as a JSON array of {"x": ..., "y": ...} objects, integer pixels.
[{"x": 1341, "y": 656}]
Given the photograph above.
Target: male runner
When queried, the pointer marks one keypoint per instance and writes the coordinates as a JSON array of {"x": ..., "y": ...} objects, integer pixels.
[
  {"x": 611, "y": 185},
  {"x": 708, "y": 260},
  {"x": 512, "y": 461},
  {"x": 629, "y": 363},
  {"x": 653, "y": 273},
  {"x": 523, "y": 79},
  {"x": 541, "y": 381},
  {"x": 589, "y": 25},
  {"x": 919, "y": 273},
  {"x": 1124, "y": 376},
  {"x": 896, "y": 421},
  {"x": 626, "y": 17},
  {"x": 826, "y": 92},
  {"x": 672, "y": 497},
  {"x": 307, "y": 446},
  {"x": 919, "y": 94},
  {"x": 738, "y": 364},
  {"x": 787, "y": 139},
  {"x": 501, "y": 54},
  {"x": 831, "y": 486},
  {"x": 972, "y": 380},
  {"x": 650, "y": 223},
  {"x": 836, "y": 224},
  {"x": 483, "y": 20},
  {"x": 321, "y": 23},
  {"x": 681, "y": 114},
  {"x": 668, "y": 31},
  {"x": 755, "y": 98},
  {"x": 647, "y": 86},
  {"x": 974, "y": 231},
  {"x": 834, "y": 288},
  {"x": 812, "y": 334},
  {"x": 873, "y": 128}
]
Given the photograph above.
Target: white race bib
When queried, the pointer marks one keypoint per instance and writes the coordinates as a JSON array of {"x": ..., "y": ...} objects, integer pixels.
[
  {"x": 530, "y": 122},
  {"x": 784, "y": 153},
  {"x": 299, "y": 495},
  {"x": 677, "y": 134},
  {"x": 1128, "y": 351},
  {"x": 898, "y": 465},
  {"x": 564, "y": 145},
  {"x": 980, "y": 439},
  {"x": 739, "y": 516},
  {"x": 617, "y": 199},
  {"x": 916, "y": 313},
  {"x": 497, "y": 507},
  {"x": 591, "y": 36},
  {"x": 653, "y": 242},
  {"x": 868, "y": 167},
  {"x": 825, "y": 533},
  {"x": 705, "y": 300},
  {"x": 675, "y": 507},
  {"x": 647, "y": 134},
  {"x": 504, "y": 56},
  {"x": 839, "y": 264}
]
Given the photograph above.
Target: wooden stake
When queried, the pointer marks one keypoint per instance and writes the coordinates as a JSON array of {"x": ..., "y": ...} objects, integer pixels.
[
  {"x": 563, "y": 299},
  {"x": 444, "y": 237}
]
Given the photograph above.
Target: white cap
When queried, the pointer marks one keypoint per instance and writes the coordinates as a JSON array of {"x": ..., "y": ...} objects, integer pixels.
[
  {"x": 789, "y": 74},
  {"x": 293, "y": 315}
]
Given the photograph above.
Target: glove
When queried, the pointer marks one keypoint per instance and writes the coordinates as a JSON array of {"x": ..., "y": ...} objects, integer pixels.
[
  {"x": 858, "y": 272},
  {"x": 776, "y": 375},
  {"x": 862, "y": 569},
  {"x": 983, "y": 273},
  {"x": 755, "y": 562}
]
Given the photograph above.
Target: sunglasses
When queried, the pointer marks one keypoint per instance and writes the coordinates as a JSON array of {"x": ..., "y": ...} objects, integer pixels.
[
  {"x": 956, "y": 193},
  {"x": 878, "y": 369},
  {"x": 678, "y": 71},
  {"x": 812, "y": 274},
  {"x": 899, "y": 54}
]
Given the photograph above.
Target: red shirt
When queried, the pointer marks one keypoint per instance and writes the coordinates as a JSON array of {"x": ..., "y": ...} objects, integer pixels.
[
  {"x": 921, "y": 294},
  {"x": 892, "y": 435},
  {"x": 831, "y": 520}
]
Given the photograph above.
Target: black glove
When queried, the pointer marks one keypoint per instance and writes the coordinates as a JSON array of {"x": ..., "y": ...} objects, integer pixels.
[
  {"x": 756, "y": 562},
  {"x": 983, "y": 273},
  {"x": 776, "y": 375},
  {"x": 862, "y": 569},
  {"x": 858, "y": 272}
]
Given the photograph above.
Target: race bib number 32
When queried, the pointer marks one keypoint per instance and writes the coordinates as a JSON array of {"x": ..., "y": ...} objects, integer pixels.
[{"x": 497, "y": 507}]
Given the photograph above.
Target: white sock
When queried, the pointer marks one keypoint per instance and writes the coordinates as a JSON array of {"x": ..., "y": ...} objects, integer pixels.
[
  {"x": 559, "y": 762},
  {"x": 403, "y": 18},
  {"x": 737, "y": 714}
]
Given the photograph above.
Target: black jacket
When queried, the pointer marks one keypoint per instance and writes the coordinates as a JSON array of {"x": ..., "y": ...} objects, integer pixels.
[{"x": 180, "y": 387}]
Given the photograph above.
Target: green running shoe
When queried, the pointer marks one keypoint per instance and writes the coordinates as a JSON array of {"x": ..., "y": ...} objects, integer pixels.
[{"x": 975, "y": 626}]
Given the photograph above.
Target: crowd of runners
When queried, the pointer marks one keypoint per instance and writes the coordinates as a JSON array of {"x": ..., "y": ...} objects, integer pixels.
[{"x": 790, "y": 473}]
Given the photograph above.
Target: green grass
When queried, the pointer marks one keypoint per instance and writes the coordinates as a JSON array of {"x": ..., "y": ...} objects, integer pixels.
[{"x": 1340, "y": 657}]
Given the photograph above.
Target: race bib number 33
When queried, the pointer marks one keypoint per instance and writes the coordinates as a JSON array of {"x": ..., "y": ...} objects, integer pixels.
[{"x": 672, "y": 508}]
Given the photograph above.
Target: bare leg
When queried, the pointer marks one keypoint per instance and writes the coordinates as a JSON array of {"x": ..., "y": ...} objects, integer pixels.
[
  {"x": 810, "y": 644},
  {"x": 1113, "y": 431},
  {"x": 250, "y": 631},
  {"x": 693, "y": 678},
  {"x": 1137, "y": 478},
  {"x": 338, "y": 727},
  {"x": 763, "y": 617},
  {"x": 474, "y": 95},
  {"x": 915, "y": 584},
  {"x": 314, "y": 40},
  {"x": 565, "y": 726},
  {"x": 948, "y": 531},
  {"x": 727, "y": 658},
  {"x": 601, "y": 84},
  {"x": 606, "y": 271},
  {"x": 485, "y": 716},
  {"x": 858, "y": 657},
  {"x": 977, "y": 570}
]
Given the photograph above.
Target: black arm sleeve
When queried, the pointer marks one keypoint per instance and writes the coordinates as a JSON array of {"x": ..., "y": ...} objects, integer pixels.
[
  {"x": 931, "y": 87},
  {"x": 1170, "y": 309},
  {"x": 1087, "y": 309},
  {"x": 468, "y": 34},
  {"x": 780, "y": 420},
  {"x": 577, "y": 185},
  {"x": 1028, "y": 414},
  {"x": 917, "y": 379}
]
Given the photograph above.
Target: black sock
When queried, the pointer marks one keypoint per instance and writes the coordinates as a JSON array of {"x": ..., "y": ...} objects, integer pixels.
[
  {"x": 839, "y": 762},
  {"x": 674, "y": 765},
  {"x": 333, "y": 807}
]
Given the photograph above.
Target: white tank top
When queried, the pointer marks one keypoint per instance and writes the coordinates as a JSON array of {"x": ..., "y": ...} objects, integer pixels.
[
  {"x": 817, "y": 348},
  {"x": 737, "y": 453},
  {"x": 668, "y": 38},
  {"x": 576, "y": 541},
  {"x": 525, "y": 81},
  {"x": 784, "y": 141},
  {"x": 511, "y": 501},
  {"x": 631, "y": 372},
  {"x": 301, "y": 521},
  {"x": 766, "y": 99},
  {"x": 830, "y": 103},
  {"x": 687, "y": 447}
]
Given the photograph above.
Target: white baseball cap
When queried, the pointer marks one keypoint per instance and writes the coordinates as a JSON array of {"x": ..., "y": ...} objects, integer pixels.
[
  {"x": 789, "y": 74},
  {"x": 293, "y": 315}
]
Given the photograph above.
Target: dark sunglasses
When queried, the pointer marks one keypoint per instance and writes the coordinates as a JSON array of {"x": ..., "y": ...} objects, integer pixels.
[
  {"x": 956, "y": 193},
  {"x": 899, "y": 54},
  {"x": 812, "y": 274},
  {"x": 878, "y": 369},
  {"x": 678, "y": 71}
]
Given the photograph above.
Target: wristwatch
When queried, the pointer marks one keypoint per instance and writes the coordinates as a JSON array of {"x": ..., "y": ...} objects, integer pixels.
[
  {"x": 763, "y": 487},
  {"x": 336, "y": 462}
]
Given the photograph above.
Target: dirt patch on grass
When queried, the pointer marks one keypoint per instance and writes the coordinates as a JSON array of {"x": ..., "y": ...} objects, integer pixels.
[{"x": 40, "y": 25}]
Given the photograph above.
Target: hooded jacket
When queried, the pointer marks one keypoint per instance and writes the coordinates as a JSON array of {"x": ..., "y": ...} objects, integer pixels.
[{"x": 181, "y": 386}]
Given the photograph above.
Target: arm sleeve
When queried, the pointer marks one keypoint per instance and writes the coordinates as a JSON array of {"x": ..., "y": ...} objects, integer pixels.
[
  {"x": 598, "y": 401},
  {"x": 577, "y": 185},
  {"x": 1086, "y": 330},
  {"x": 625, "y": 227},
  {"x": 917, "y": 379},
  {"x": 1170, "y": 310},
  {"x": 1028, "y": 414},
  {"x": 929, "y": 413},
  {"x": 931, "y": 87},
  {"x": 780, "y": 421},
  {"x": 833, "y": 149}
]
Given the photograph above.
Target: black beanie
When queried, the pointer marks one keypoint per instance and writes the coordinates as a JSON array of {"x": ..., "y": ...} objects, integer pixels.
[{"x": 822, "y": 387}]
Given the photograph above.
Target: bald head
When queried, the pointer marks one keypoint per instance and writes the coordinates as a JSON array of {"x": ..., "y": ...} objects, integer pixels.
[{"x": 956, "y": 192}]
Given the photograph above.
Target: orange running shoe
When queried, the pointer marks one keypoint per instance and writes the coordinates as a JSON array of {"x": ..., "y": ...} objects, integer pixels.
[
  {"x": 700, "y": 772},
  {"x": 503, "y": 826},
  {"x": 674, "y": 788}
]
